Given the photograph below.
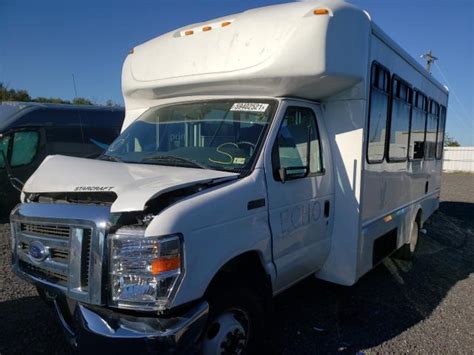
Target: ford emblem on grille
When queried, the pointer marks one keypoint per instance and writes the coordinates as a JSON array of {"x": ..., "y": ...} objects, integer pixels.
[{"x": 37, "y": 251}]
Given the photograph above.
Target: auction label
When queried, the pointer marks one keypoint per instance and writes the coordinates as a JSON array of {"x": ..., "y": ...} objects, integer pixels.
[{"x": 249, "y": 107}]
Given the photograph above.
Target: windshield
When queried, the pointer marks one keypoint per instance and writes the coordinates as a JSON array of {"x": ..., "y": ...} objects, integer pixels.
[{"x": 220, "y": 135}]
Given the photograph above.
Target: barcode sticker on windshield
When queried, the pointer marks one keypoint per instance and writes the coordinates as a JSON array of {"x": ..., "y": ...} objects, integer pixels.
[{"x": 249, "y": 107}]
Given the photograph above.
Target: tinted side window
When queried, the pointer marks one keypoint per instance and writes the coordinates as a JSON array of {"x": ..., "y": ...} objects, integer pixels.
[
  {"x": 101, "y": 127},
  {"x": 399, "y": 120},
  {"x": 377, "y": 114},
  {"x": 417, "y": 127},
  {"x": 440, "y": 135},
  {"x": 431, "y": 130},
  {"x": 292, "y": 141},
  {"x": 25, "y": 147}
]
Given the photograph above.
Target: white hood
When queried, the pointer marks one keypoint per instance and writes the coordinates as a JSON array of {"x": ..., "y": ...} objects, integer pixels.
[{"x": 134, "y": 184}]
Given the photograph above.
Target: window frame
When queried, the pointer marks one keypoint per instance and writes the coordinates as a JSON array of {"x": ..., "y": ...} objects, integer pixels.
[
  {"x": 409, "y": 101},
  {"x": 274, "y": 151},
  {"x": 387, "y": 93},
  {"x": 430, "y": 102},
  {"x": 9, "y": 148},
  {"x": 425, "y": 112},
  {"x": 443, "y": 109}
]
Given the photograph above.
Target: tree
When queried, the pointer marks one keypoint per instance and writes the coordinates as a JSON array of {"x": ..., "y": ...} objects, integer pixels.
[
  {"x": 54, "y": 100},
  {"x": 450, "y": 141},
  {"x": 7, "y": 94},
  {"x": 81, "y": 101},
  {"x": 12, "y": 94}
]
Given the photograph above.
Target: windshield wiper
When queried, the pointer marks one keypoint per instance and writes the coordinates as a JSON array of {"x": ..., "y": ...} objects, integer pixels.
[
  {"x": 110, "y": 158},
  {"x": 175, "y": 159}
]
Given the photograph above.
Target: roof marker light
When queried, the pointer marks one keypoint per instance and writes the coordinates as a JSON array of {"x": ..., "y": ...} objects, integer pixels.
[
  {"x": 321, "y": 12},
  {"x": 188, "y": 33},
  {"x": 130, "y": 52},
  {"x": 226, "y": 23},
  {"x": 206, "y": 28}
]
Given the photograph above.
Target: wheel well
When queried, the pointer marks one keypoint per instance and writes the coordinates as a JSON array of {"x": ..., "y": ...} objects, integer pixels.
[
  {"x": 244, "y": 270},
  {"x": 418, "y": 218}
]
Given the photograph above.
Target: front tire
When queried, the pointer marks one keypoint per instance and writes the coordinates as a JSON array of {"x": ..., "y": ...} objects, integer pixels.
[{"x": 235, "y": 324}]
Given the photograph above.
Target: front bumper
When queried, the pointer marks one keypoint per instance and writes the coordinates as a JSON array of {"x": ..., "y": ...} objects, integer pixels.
[{"x": 93, "y": 329}]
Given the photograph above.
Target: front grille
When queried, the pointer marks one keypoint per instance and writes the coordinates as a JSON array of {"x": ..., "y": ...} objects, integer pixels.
[
  {"x": 60, "y": 255},
  {"x": 47, "y": 230},
  {"x": 47, "y": 275},
  {"x": 63, "y": 246},
  {"x": 86, "y": 258},
  {"x": 62, "y": 242}
]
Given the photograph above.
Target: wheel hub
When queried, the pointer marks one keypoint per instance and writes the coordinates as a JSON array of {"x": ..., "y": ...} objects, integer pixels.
[{"x": 226, "y": 335}]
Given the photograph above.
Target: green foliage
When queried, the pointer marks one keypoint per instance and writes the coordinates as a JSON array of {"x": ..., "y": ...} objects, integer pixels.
[
  {"x": 81, "y": 101},
  {"x": 7, "y": 94},
  {"x": 12, "y": 94},
  {"x": 450, "y": 141},
  {"x": 54, "y": 100}
]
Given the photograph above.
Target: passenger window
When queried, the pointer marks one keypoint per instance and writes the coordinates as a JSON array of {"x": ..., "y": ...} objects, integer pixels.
[
  {"x": 25, "y": 147},
  {"x": 431, "y": 130},
  {"x": 417, "y": 127},
  {"x": 399, "y": 120},
  {"x": 4, "y": 148},
  {"x": 290, "y": 154},
  {"x": 377, "y": 114},
  {"x": 440, "y": 135}
]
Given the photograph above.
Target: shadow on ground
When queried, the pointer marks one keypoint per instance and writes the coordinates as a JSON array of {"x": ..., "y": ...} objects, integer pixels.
[
  {"x": 318, "y": 317},
  {"x": 28, "y": 326}
]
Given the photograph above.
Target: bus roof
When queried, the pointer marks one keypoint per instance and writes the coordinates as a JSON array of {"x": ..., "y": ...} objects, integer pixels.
[{"x": 309, "y": 49}]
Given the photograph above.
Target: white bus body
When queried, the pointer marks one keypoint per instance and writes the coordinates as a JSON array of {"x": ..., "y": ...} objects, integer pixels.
[{"x": 374, "y": 121}]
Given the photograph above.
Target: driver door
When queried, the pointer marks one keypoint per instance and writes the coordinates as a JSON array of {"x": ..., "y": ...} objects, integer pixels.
[{"x": 300, "y": 195}]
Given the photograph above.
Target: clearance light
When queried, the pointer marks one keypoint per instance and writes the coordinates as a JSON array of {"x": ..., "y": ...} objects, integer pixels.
[
  {"x": 131, "y": 52},
  {"x": 388, "y": 218},
  {"x": 321, "y": 12},
  {"x": 206, "y": 28}
]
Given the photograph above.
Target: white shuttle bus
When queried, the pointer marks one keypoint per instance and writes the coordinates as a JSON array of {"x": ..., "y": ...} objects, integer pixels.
[{"x": 258, "y": 149}]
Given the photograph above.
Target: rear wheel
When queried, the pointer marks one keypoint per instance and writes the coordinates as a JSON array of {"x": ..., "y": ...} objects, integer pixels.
[
  {"x": 236, "y": 323},
  {"x": 407, "y": 252}
]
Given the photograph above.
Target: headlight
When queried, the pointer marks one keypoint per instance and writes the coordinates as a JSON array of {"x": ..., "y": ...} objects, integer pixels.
[{"x": 144, "y": 271}]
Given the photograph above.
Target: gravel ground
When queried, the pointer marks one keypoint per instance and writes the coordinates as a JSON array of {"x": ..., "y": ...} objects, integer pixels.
[{"x": 424, "y": 307}]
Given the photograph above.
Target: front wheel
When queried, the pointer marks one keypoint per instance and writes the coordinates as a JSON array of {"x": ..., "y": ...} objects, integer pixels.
[{"x": 235, "y": 324}]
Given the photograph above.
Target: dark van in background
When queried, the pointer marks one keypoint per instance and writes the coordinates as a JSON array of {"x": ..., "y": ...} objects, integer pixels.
[{"x": 29, "y": 132}]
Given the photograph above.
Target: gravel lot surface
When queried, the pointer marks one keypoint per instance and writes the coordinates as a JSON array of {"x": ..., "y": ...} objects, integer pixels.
[{"x": 423, "y": 307}]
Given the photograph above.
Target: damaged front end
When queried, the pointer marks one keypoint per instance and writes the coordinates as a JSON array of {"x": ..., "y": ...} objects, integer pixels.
[{"x": 103, "y": 274}]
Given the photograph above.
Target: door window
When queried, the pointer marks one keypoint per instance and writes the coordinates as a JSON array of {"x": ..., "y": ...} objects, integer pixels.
[
  {"x": 25, "y": 147},
  {"x": 4, "y": 148},
  {"x": 299, "y": 125}
]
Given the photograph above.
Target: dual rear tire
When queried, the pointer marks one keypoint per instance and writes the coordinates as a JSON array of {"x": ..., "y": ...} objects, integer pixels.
[{"x": 407, "y": 252}]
